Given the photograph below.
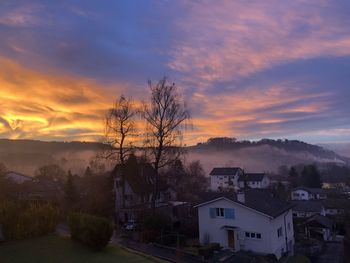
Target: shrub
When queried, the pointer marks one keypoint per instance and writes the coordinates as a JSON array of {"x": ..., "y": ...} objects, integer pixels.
[
  {"x": 20, "y": 221},
  {"x": 208, "y": 250},
  {"x": 153, "y": 225},
  {"x": 93, "y": 231}
]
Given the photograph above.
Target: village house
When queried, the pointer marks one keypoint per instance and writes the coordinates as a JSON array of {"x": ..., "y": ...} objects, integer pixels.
[
  {"x": 319, "y": 227},
  {"x": 252, "y": 220},
  {"x": 306, "y": 193},
  {"x": 136, "y": 197},
  {"x": 18, "y": 178},
  {"x": 225, "y": 178},
  {"x": 306, "y": 209},
  {"x": 254, "y": 180},
  {"x": 336, "y": 207}
]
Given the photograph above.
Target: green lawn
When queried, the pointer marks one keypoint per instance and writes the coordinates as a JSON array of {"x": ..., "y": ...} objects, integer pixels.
[
  {"x": 54, "y": 249},
  {"x": 298, "y": 259}
]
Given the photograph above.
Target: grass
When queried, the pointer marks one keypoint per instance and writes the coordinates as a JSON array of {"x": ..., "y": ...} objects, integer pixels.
[
  {"x": 54, "y": 249},
  {"x": 298, "y": 259}
]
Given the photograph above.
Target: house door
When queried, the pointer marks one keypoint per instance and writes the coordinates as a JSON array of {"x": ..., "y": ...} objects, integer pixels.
[{"x": 231, "y": 238}]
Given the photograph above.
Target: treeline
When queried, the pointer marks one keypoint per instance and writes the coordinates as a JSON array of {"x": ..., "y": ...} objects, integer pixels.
[
  {"x": 8, "y": 146},
  {"x": 226, "y": 143}
]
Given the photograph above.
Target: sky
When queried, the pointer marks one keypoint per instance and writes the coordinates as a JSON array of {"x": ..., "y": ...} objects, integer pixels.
[{"x": 247, "y": 69}]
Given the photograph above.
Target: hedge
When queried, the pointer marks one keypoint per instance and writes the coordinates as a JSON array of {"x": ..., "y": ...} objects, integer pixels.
[
  {"x": 208, "y": 250},
  {"x": 22, "y": 221},
  {"x": 92, "y": 231}
]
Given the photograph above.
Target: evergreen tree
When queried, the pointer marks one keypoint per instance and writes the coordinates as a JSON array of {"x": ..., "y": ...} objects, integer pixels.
[
  {"x": 88, "y": 171},
  {"x": 310, "y": 177},
  {"x": 70, "y": 191}
]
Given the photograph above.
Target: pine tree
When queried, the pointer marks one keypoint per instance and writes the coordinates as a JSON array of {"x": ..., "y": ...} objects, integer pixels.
[{"x": 70, "y": 191}]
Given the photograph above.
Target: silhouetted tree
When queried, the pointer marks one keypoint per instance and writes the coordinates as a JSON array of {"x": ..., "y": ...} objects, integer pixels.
[
  {"x": 165, "y": 116},
  {"x": 88, "y": 171},
  {"x": 294, "y": 177},
  {"x": 311, "y": 177},
  {"x": 52, "y": 172},
  {"x": 119, "y": 134},
  {"x": 70, "y": 192}
]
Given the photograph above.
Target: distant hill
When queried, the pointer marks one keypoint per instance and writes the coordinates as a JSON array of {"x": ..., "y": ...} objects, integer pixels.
[
  {"x": 254, "y": 156},
  {"x": 41, "y": 146},
  {"x": 340, "y": 148},
  {"x": 27, "y": 155},
  {"x": 264, "y": 155}
]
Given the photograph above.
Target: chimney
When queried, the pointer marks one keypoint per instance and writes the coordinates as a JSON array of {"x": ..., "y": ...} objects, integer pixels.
[{"x": 241, "y": 196}]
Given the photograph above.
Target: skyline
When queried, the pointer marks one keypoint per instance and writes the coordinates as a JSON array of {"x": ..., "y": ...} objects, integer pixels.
[{"x": 249, "y": 70}]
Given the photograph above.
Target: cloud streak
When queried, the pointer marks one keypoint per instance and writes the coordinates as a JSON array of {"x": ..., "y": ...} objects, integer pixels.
[
  {"x": 34, "y": 105},
  {"x": 227, "y": 40},
  {"x": 248, "y": 69}
]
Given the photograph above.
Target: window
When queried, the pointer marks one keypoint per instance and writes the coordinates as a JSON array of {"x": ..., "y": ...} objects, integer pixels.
[
  {"x": 220, "y": 212},
  {"x": 279, "y": 232},
  {"x": 252, "y": 235},
  {"x": 224, "y": 213}
]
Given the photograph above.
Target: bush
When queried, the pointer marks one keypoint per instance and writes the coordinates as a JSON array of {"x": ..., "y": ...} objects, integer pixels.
[
  {"x": 153, "y": 225},
  {"x": 93, "y": 231},
  {"x": 208, "y": 250},
  {"x": 21, "y": 221}
]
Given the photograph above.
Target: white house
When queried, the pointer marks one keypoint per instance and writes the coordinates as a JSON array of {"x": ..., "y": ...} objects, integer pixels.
[
  {"x": 254, "y": 220},
  {"x": 306, "y": 193},
  {"x": 337, "y": 206},
  {"x": 18, "y": 178},
  {"x": 254, "y": 180},
  {"x": 225, "y": 178}
]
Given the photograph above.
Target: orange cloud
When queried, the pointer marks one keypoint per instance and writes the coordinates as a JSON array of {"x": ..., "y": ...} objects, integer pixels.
[{"x": 35, "y": 105}]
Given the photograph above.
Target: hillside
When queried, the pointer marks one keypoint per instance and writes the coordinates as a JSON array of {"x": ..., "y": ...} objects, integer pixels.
[
  {"x": 264, "y": 155},
  {"x": 254, "y": 156},
  {"x": 27, "y": 155}
]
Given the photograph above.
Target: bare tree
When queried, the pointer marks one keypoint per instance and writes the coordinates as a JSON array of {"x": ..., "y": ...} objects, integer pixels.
[
  {"x": 120, "y": 129},
  {"x": 119, "y": 133},
  {"x": 165, "y": 116}
]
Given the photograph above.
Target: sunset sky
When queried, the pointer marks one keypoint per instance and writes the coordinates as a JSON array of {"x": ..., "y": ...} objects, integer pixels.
[{"x": 247, "y": 69}]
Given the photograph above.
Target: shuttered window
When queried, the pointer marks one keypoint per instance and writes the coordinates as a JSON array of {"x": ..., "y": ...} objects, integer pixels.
[
  {"x": 218, "y": 212},
  {"x": 229, "y": 213}
]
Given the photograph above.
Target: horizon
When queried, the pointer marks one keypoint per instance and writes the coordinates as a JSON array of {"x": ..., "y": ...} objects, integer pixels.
[{"x": 246, "y": 70}]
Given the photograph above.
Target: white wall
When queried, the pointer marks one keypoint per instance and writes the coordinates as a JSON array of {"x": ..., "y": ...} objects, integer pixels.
[
  {"x": 246, "y": 220},
  {"x": 279, "y": 243},
  {"x": 300, "y": 195},
  {"x": 17, "y": 178},
  {"x": 222, "y": 181}
]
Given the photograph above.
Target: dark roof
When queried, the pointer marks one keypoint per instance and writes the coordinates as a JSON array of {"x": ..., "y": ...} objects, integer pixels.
[
  {"x": 336, "y": 203},
  {"x": 260, "y": 200},
  {"x": 252, "y": 177},
  {"x": 225, "y": 171},
  {"x": 265, "y": 202},
  {"x": 140, "y": 178},
  {"x": 308, "y": 206},
  {"x": 321, "y": 221}
]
